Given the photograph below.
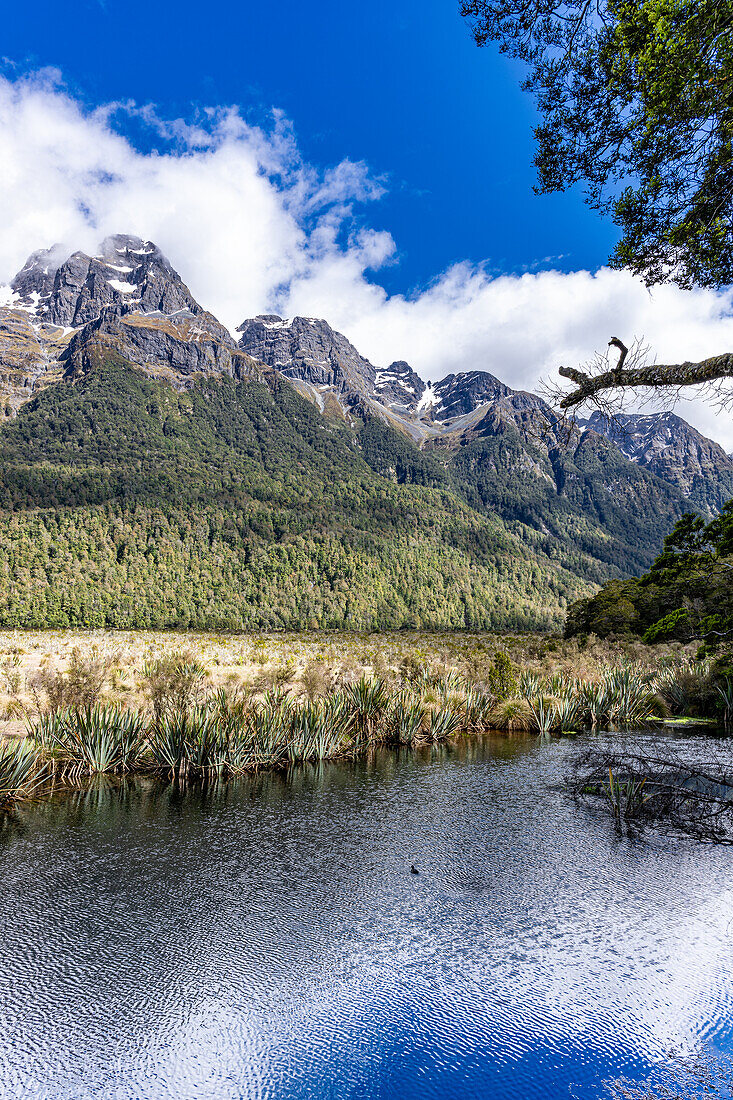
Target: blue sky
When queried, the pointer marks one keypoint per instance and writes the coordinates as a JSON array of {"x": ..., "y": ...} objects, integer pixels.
[
  {"x": 369, "y": 165},
  {"x": 401, "y": 86}
]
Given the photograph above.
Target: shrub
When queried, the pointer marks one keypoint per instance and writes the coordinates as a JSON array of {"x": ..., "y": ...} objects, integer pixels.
[
  {"x": 502, "y": 680},
  {"x": 173, "y": 683},
  {"x": 316, "y": 679},
  {"x": 670, "y": 626},
  {"x": 76, "y": 689}
]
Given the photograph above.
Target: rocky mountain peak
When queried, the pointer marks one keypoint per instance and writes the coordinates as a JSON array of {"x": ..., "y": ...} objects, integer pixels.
[
  {"x": 64, "y": 312},
  {"x": 673, "y": 450},
  {"x": 459, "y": 394},
  {"x": 399, "y": 386},
  {"x": 71, "y": 290},
  {"x": 35, "y": 279},
  {"x": 307, "y": 348}
]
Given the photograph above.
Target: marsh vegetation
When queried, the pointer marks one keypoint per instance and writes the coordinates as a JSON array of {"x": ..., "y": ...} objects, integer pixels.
[{"x": 117, "y": 704}]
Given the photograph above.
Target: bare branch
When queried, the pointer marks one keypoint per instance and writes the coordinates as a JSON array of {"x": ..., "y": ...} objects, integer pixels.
[
  {"x": 644, "y": 782},
  {"x": 643, "y": 376}
]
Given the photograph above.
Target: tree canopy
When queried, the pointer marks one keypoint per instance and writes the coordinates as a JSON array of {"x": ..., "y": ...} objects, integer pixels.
[
  {"x": 636, "y": 102},
  {"x": 687, "y": 594}
]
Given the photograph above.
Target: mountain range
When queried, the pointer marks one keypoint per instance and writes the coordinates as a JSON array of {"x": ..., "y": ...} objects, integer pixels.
[{"x": 159, "y": 470}]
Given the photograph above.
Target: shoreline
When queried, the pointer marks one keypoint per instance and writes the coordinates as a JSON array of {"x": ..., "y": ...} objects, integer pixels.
[{"x": 118, "y": 703}]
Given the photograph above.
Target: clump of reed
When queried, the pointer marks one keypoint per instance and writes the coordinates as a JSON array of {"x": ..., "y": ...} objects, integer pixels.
[
  {"x": 189, "y": 730},
  {"x": 725, "y": 693},
  {"x": 698, "y": 687},
  {"x": 20, "y": 772},
  {"x": 626, "y": 797}
]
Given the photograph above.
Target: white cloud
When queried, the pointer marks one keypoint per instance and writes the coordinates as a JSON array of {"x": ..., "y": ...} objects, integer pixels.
[
  {"x": 234, "y": 208},
  {"x": 523, "y": 328},
  {"x": 252, "y": 229}
]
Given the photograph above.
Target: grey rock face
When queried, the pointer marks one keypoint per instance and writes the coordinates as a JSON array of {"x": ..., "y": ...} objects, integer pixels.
[
  {"x": 459, "y": 394},
  {"x": 534, "y": 420},
  {"x": 129, "y": 273},
  {"x": 399, "y": 387},
  {"x": 172, "y": 348},
  {"x": 675, "y": 451},
  {"x": 35, "y": 279},
  {"x": 29, "y": 356},
  {"x": 127, "y": 302},
  {"x": 309, "y": 349}
]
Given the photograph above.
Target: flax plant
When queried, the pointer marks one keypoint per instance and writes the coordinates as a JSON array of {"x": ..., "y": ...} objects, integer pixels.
[
  {"x": 725, "y": 691},
  {"x": 544, "y": 713},
  {"x": 20, "y": 772}
]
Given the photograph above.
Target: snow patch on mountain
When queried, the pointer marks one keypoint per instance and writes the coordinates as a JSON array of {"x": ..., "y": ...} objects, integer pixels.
[
  {"x": 428, "y": 400},
  {"x": 122, "y": 288}
]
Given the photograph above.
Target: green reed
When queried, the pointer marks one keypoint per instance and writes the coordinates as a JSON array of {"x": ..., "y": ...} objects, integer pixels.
[{"x": 20, "y": 772}]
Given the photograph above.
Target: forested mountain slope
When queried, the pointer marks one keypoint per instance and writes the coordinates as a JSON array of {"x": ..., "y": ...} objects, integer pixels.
[
  {"x": 156, "y": 471},
  {"x": 504, "y": 451},
  {"x": 234, "y": 504}
]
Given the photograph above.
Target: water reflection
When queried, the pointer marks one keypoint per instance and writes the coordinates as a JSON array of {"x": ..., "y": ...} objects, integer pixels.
[{"x": 266, "y": 939}]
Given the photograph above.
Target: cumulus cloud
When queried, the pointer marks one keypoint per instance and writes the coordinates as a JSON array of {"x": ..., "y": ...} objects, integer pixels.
[
  {"x": 252, "y": 228},
  {"x": 523, "y": 328},
  {"x": 234, "y": 207}
]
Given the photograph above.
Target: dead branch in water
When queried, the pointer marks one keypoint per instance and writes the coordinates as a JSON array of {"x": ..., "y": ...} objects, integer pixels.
[{"x": 651, "y": 783}]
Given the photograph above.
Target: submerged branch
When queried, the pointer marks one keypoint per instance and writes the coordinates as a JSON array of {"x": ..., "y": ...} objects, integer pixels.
[{"x": 647, "y": 783}]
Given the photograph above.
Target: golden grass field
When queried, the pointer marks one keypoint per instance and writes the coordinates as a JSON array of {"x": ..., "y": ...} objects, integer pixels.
[{"x": 258, "y": 661}]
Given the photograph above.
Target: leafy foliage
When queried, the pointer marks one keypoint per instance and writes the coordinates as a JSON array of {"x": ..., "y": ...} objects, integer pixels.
[
  {"x": 635, "y": 101},
  {"x": 687, "y": 593},
  {"x": 501, "y": 679},
  {"x": 19, "y": 772}
]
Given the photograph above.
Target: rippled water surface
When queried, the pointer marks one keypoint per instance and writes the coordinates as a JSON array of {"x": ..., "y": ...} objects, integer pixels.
[{"x": 268, "y": 940}]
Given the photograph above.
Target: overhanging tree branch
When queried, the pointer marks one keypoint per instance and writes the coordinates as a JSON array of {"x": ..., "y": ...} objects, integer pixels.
[
  {"x": 647, "y": 376},
  {"x": 635, "y": 100}
]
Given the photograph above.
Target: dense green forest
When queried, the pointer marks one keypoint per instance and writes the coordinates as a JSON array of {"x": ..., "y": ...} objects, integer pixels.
[
  {"x": 581, "y": 499},
  {"x": 687, "y": 594},
  {"x": 236, "y": 504},
  {"x": 586, "y": 498}
]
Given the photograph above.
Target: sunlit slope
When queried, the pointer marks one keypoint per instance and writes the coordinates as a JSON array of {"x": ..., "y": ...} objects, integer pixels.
[{"x": 236, "y": 504}]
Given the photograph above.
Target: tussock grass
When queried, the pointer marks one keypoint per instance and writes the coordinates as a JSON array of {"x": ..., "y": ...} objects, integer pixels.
[{"x": 199, "y": 706}]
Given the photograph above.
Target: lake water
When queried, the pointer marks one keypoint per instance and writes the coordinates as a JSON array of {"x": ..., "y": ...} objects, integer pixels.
[{"x": 268, "y": 940}]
